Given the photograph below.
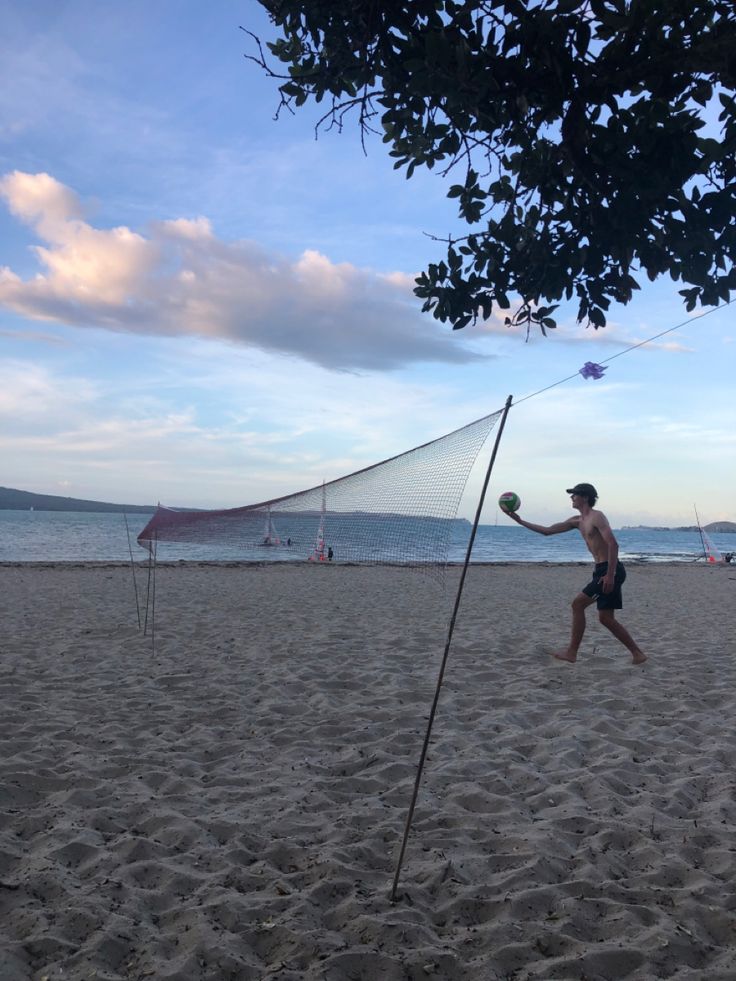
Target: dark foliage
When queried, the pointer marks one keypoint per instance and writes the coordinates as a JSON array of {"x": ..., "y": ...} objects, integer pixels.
[{"x": 577, "y": 131}]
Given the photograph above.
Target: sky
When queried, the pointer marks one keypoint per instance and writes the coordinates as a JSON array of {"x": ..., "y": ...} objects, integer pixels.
[{"x": 205, "y": 306}]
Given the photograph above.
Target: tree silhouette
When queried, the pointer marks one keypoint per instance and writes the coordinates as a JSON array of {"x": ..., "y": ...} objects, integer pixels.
[{"x": 589, "y": 143}]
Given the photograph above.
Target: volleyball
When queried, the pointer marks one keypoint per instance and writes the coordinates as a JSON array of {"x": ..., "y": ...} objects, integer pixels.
[{"x": 509, "y": 502}]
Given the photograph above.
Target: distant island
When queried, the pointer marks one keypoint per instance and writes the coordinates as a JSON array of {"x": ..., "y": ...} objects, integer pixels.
[
  {"x": 18, "y": 500},
  {"x": 716, "y": 527}
]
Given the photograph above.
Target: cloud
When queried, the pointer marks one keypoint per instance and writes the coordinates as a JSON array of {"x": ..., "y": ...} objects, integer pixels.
[
  {"x": 180, "y": 279},
  {"x": 33, "y": 402},
  {"x": 39, "y": 199},
  {"x": 33, "y": 337},
  {"x": 204, "y": 424}
]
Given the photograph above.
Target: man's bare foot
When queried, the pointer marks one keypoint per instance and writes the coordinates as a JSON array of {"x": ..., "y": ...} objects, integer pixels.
[
  {"x": 638, "y": 658},
  {"x": 563, "y": 656}
]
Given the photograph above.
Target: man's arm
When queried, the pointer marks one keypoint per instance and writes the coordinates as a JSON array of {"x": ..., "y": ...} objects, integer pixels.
[{"x": 555, "y": 529}]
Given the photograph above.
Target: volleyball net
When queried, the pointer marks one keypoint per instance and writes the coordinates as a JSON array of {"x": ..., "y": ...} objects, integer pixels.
[{"x": 401, "y": 510}]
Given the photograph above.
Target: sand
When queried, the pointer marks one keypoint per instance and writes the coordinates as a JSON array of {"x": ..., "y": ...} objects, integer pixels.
[{"x": 230, "y": 805}]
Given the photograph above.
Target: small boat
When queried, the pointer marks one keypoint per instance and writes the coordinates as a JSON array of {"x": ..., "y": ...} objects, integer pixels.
[
  {"x": 270, "y": 535},
  {"x": 711, "y": 553},
  {"x": 318, "y": 552}
]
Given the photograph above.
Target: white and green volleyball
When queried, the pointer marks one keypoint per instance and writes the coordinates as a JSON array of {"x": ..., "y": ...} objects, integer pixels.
[{"x": 509, "y": 501}]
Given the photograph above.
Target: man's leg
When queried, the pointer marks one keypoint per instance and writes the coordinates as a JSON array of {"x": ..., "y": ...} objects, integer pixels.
[
  {"x": 579, "y": 605},
  {"x": 609, "y": 621}
]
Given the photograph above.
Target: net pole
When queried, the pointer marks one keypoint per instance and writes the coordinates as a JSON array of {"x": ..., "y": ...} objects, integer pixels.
[
  {"x": 153, "y": 596},
  {"x": 443, "y": 664},
  {"x": 132, "y": 566}
]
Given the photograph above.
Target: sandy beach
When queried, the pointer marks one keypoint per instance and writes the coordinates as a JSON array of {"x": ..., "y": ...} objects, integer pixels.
[{"x": 230, "y": 804}]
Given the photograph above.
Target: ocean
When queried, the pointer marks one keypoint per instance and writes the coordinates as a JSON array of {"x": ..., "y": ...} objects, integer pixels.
[{"x": 63, "y": 536}]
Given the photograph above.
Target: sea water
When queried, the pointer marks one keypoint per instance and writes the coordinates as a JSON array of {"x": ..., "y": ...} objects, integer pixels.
[{"x": 64, "y": 536}]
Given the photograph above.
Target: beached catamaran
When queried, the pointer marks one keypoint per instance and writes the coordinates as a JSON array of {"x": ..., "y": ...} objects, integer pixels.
[
  {"x": 710, "y": 551},
  {"x": 318, "y": 553},
  {"x": 270, "y": 535}
]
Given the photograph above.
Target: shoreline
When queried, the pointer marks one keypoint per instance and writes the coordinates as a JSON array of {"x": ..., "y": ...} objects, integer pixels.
[{"x": 665, "y": 562}]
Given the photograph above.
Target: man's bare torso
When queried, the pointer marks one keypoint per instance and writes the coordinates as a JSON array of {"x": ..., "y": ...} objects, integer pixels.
[{"x": 591, "y": 526}]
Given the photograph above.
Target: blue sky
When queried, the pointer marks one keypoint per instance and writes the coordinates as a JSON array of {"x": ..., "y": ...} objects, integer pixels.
[{"x": 204, "y": 307}]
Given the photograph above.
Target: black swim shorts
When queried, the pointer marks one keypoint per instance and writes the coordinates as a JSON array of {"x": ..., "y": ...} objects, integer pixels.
[{"x": 594, "y": 589}]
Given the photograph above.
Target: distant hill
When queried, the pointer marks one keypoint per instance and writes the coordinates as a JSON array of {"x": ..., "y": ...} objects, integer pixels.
[
  {"x": 18, "y": 500},
  {"x": 721, "y": 527},
  {"x": 715, "y": 527}
]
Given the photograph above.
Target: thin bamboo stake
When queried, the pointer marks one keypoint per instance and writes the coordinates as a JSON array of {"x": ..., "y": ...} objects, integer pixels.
[
  {"x": 153, "y": 596},
  {"x": 148, "y": 587},
  {"x": 132, "y": 566}
]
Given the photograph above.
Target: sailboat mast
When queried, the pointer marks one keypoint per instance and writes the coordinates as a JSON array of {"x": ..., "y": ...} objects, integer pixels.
[
  {"x": 700, "y": 531},
  {"x": 321, "y": 531}
]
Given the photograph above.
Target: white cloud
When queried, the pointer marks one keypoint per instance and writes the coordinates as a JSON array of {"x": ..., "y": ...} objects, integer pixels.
[
  {"x": 182, "y": 280},
  {"x": 206, "y": 424},
  {"x": 33, "y": 337},
  {"x": 648, "y": 467},
  {"x": 32, "y": 398},
  {"x": 39, "y": 199}
]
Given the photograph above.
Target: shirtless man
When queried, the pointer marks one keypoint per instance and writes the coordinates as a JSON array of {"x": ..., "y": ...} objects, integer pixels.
[{"x": 608, "y": 575}]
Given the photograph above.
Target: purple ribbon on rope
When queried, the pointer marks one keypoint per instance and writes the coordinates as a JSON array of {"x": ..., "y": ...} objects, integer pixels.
[{"x": 592, "y": 370}]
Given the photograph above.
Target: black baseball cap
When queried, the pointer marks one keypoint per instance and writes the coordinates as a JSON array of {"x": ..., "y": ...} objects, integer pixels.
[{"x": 588, "y": 490}]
